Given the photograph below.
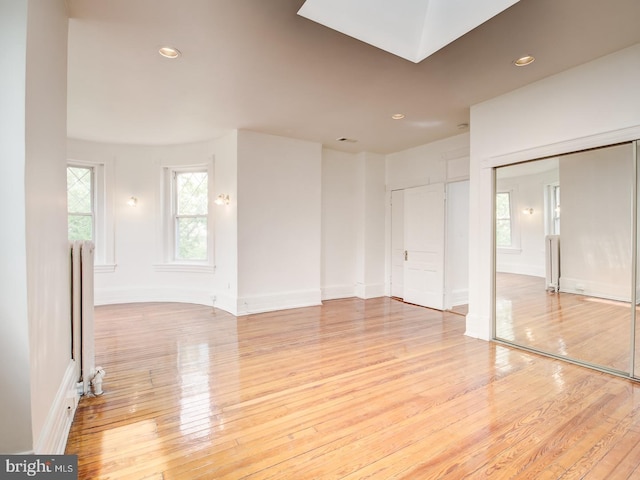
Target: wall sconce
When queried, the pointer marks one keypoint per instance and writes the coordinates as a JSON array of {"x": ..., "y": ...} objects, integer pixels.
[
  {"x": 132, "y": 202},
  {"x": 222, "y": 199},
  {"x": 528, "y": 211}
]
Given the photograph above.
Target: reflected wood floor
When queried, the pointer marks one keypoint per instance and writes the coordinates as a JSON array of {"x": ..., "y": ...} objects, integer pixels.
[
  {"x": 349, "y": 390},
  {"x": 586, "y": 328}
]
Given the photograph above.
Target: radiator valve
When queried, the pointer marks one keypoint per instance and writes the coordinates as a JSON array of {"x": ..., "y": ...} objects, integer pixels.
[{"x": 96, "y": 382}]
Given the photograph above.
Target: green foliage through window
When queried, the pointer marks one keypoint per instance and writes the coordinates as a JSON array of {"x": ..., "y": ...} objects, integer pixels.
[{"x": 191, "y": 207}]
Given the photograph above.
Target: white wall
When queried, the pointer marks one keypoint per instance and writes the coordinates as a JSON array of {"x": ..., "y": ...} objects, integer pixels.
[
  {"x": 442, "y": 161},
  {"x": 141, "y": 273},
  {"x": 594, "y": 104},
  {"x": 339, "y": 220},
  {"x": 47, "y": 244},
  {"x": 370, "y": 225},
  {"x": 596, "y": 235},
  {"x": 226, "y": 223},
  {"x": 271, "y": 250},
  {"x": 457, "y": 245},
  {"x": 15, "y": 402},
  {"x": 34, "y": 300},
  {"x": 279, "y": 221}
]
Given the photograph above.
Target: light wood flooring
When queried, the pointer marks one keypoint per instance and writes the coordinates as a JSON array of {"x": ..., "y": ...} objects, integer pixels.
[
  {"x": 590, "y": 329},
  {"x": 353, "y": 389}
]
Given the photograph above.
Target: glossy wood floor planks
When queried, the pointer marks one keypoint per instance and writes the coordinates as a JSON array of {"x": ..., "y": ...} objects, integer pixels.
[{"x": 352, "y": 389}]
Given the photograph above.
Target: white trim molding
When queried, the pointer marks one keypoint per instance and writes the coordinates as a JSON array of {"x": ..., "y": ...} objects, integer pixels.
[
  {"x": 476, "y": 327},
  {"x": 279, "y": 301},
  {"x": 371, "y": 290},
  {"x": 184, "y": 268},
  {"x": 567, "y": 146},
  {"x": 110, "y": 296},
  {"x": 54, "y": 433},
  {"x": 333, "y": 292}
]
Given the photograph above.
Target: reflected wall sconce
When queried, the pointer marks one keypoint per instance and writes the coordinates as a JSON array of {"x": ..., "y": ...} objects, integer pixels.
[
  {"x": 132, "y": 202},
  {"x": 528, "y": 211},
  {"x": 222, "y": 199}
]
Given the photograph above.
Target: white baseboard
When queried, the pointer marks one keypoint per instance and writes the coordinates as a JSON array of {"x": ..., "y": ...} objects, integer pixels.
[
  {"x": 53, "y": 436},
  {"x": 281, "y": 301},
  {"x": 371, "y": 290},
  {"x": 478, "y": 327},
  {"x": 521, "y": 269},
  {"x": 589, "y": 288},
  {"x": 109, "y": 296},
  {"x": 227, "y": 303},
  {"x": 333, "y": 292}
]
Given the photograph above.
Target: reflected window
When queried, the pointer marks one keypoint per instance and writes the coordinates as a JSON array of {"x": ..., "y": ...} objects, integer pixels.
[
  {"x": 555, "y": 195},
  {"x": 504, "y": 223},
  {"x": 552, "y": 214}
]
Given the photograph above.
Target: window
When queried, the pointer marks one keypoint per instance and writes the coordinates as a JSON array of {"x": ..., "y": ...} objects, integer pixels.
[
  {"x": 504, "y": 225},
  {"x": 89, "y": 211},
  {"x": 552, "y": 209},
  {"x": 190, "y": 215},
  {"x": 555, "y": 214},
  {"x": 80, "y": 203}
]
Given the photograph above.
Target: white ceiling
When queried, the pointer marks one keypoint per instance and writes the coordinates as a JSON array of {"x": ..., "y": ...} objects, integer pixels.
[{"x": 257, "y": 65}]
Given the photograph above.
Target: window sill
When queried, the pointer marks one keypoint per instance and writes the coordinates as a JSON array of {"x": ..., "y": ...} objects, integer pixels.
[
  {"x": 509, "y": 250},
  {"x": 184, "y": 268},
  {"x": 104, "y": 268}
]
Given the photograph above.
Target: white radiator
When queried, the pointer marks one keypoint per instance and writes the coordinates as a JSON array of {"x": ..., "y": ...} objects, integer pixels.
[
  {"x": 552, "y": 256},
  {"x": 82, "y": 253}
]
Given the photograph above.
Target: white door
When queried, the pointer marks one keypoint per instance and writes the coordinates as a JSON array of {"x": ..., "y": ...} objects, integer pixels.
[
  {"x": 424, "y": 227},
  {"x": 397, "y": 243}
]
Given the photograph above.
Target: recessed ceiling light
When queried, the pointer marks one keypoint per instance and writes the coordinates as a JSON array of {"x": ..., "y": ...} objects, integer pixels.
[
  {"x": 462, "y": 126},
  {"x": 345, "y": 139},
  {"x": 524, "y": 61},
  {"x": 169, "y": 52},
  {"x": 397, "y": 116}
]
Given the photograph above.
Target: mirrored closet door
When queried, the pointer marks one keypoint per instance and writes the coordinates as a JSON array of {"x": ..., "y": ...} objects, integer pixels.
[{"x": 565, "y": 237}]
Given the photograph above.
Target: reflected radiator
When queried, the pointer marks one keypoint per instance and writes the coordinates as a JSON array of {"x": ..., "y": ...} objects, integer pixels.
[
  {"x": 82, "y": 337},
  {"x": 552, "y": 267}
]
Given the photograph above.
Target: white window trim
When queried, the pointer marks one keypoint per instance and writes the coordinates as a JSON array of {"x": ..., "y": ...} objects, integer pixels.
[
  {"x": 103, "y": 175},
  {"x": 167, "y": 262}
]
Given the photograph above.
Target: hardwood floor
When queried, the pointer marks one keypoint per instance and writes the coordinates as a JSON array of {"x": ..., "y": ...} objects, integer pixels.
[
  {"x": 353, "y": 389},
  {"x": 577, "y": 326}
]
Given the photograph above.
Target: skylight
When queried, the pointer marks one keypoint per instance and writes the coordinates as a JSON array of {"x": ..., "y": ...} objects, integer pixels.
[{"x": 411, "y": 29}]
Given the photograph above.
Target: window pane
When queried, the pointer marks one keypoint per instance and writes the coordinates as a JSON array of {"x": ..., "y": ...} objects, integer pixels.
[
  {"x": 79, "y": 196},
  {"x": 503, "y": 209},
  {"x": 192, "y": 197},
  {"x": 80, "y": 227},
  {"x": 503, "y": 233},
  {"x": 503, "y": 219},
  {"x": 191, "y": 238}
]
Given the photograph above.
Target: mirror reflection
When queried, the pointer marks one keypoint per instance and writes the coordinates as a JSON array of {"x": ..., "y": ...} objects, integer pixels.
[{"x": 564, "y": 255}]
